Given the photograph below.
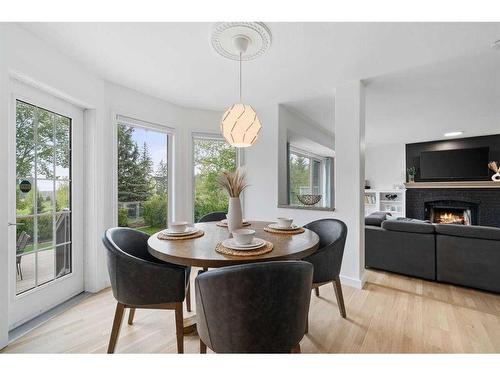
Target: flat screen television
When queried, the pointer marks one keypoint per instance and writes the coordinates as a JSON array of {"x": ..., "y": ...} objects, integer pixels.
[{"x": 460, "y": 164}]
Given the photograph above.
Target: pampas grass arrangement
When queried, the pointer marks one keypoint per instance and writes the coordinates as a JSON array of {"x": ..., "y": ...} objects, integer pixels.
[
  {"x": 233, "y": 182},
  {"x": 494, "y": 166}
]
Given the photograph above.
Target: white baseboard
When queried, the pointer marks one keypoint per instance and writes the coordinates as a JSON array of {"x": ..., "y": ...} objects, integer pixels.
[{"x": 353, "y": 282}]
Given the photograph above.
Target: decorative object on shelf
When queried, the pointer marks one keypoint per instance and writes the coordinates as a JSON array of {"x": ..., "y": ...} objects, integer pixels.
[
  {"x": 240, "y": 41},
  {"x": 233, "y": 183},
  {"x": 495, "y": 168},
  {"x": 412, "y": 171},
  {"x": 367, "y": 185},
  {"x": 391, "y": 197},
  {"x": 309, "y": 199}
]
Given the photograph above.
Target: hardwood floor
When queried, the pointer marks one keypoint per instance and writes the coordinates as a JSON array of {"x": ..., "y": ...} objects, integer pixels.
[{"x": 392, "y": 314}]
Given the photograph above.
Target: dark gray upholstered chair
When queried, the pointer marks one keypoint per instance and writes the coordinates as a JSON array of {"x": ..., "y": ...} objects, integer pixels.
[
  {"x": 253, "y": 308},
  {"x": 327, "y": 260},
  {"x": 139, "y": 280},
  {"x": 213, "y": 216}
]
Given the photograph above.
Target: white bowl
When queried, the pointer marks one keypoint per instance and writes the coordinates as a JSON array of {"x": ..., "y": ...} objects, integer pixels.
[
  {"x": 284, "y": 222},
  {"x": 178, "y": 226},
  {"x": 243, "y": 236}
]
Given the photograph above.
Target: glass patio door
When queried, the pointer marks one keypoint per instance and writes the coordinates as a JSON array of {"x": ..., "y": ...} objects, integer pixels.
[{"x": 46, "y": 250}]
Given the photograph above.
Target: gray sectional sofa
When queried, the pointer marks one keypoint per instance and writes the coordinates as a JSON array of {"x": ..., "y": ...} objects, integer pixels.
[{"x": 456, "y": 254}]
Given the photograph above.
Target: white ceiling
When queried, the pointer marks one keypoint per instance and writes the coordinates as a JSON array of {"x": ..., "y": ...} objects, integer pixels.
[
  {"x": 422, "y": 104},
  {"x": 175, "y": 61}
]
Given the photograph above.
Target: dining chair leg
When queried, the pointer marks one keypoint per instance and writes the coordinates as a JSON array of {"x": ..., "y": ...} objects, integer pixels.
[
  {"x": 203, "y": 347},
  {"x": 131, "y": 315},
  {"x": 296, "y": 349},
  {"x": 188, "y": 297},
  {"x": 117, "y": 322},
  {"x": 316, "y": 291},
  {"x": 179, "y": 327},
  {"x": 340, "y": 298},
  {"x": 19, "y": 269},
  {"x": 307, "y": 323}
]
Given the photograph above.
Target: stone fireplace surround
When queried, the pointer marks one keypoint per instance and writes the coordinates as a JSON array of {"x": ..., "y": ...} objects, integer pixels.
[{"x": 486, "y": 199}]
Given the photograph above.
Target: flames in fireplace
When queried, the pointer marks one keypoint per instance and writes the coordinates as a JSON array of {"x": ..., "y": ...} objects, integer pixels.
[
  {"x": 451, "y": 212},
  {"x": 451, "y": 216}
]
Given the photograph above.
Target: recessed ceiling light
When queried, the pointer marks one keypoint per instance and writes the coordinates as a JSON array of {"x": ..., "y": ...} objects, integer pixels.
[{"x": 453, "y": 134}]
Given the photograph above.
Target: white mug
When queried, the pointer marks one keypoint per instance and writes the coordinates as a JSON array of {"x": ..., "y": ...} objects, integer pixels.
[
  {"x": 285, "y": 222},
  {"x": 178, "y": 226},
  {"x": 243, "y": 236}
]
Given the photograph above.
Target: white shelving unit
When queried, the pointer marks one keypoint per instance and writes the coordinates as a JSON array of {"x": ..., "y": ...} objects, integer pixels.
[{"x": 383, "y": 200}]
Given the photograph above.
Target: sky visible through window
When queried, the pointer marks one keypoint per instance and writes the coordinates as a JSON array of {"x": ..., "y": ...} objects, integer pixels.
[{"x": 156, "y": 141}]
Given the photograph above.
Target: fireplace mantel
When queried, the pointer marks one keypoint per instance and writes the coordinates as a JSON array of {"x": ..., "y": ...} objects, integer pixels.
[{"x": 453, "y": 185}]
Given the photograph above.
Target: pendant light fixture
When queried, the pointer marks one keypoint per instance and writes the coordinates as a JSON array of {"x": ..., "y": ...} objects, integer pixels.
[{"x": 240, "y": 41}]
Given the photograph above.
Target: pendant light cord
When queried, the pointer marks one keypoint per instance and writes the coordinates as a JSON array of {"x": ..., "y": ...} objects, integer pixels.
[{"x": 240, "y": 77}]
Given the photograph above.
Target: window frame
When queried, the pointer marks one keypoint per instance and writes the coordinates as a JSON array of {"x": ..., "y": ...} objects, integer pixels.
[
  {"x": 312, "y": 157},
  {"x": 41, "y": 105},
  {"x": 118, "y": 119},
  {"x": 216, "y": 137}
]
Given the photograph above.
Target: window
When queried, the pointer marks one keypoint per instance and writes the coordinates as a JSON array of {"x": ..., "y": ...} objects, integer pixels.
[
  {"x": 142, "y": 176},
  {"x": 43, "y": 196},
  {"x": 309, "y": 174},
  {"x": 211, "y": 156}
]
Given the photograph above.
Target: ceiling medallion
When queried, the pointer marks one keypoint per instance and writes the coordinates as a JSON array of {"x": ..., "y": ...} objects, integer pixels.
[
  {"x": 257, "y": 32},
  {"x": 242, "y": 41}
]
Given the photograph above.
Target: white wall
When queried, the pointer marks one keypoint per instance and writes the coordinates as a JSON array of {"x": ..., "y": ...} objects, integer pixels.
[
  {"x": 385, "y": 165},
  {"x": 289, "y": 120},
  {"x": 263, "y": 170}
]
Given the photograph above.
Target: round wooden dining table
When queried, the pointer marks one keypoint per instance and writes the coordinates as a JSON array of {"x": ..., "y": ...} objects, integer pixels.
[{"x": 200, "y": 252}]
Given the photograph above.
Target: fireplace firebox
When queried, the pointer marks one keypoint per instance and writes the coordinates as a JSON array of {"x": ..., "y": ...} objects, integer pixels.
[{"x": 451, "y": 212}]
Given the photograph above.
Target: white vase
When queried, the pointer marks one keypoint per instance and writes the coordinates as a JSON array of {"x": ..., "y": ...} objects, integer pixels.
[
  {"x": 496, "y": 177},
  {"x": 234, "y": 217}
]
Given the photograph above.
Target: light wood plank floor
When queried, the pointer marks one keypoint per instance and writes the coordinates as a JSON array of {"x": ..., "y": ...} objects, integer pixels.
[{"x": 392, "y": 314}]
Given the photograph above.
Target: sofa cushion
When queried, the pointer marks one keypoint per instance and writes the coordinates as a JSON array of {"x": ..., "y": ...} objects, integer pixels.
[
  {"x": 471, "y": 262},
  {"x": 412, "y": 254},
  {"x": 413, "y": 220},
  {"x": 376, "y": 218},
  {"x": 469, "y": 231},
  {"x": 408, "y": 226}
]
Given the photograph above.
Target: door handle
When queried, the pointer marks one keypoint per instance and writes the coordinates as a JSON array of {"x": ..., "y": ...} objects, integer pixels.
[{"x": 10, "y": 224}]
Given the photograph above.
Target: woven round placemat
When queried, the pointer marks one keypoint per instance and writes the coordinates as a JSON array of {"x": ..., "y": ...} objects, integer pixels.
[
  {"x": 163, "y": 236},
  {"x": 221, "y": 224},
  {"x": 245, "y": 253},
  {"x": 277, "y": 231}
]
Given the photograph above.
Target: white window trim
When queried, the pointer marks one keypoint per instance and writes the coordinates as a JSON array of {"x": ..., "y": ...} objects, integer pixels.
[
  {"x": 43, "y": 98},
  {"x": 312, "y": 157}
]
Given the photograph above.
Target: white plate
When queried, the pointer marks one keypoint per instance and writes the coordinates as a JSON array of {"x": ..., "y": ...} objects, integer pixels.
[
  {"x": 187, "y": 232},
  {"x": 276, "y": 226},
  {"x": 256, "y": 243},
  {"x": 224, "y": 221}
]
